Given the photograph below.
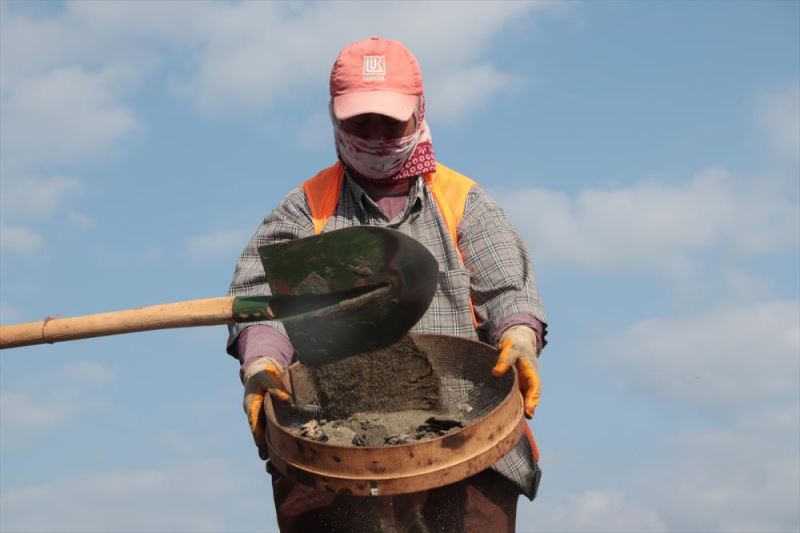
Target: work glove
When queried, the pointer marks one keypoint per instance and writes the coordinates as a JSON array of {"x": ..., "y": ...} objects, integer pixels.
[
  {"x": 518, "y": 346},
  {"x": 261, "y": 377}
]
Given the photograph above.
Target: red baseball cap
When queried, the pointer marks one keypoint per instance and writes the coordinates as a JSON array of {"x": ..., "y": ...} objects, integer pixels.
[{"x": 375, "y": 76}]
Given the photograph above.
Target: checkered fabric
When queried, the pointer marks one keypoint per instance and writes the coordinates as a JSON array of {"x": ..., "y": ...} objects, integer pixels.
[{"x": 497, "y": 274}]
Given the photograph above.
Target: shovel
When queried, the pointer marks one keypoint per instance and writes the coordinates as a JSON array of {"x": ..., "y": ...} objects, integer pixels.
[{"x": 339, "y": 293}]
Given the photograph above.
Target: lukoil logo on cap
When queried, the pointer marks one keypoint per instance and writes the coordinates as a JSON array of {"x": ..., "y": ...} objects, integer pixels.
[{"x": 374, "y": 68}]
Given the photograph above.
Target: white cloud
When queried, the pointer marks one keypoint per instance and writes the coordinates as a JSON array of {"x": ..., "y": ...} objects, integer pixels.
[
  {"x": 63, "y": 90},
  {"x": 64, "y": 114},
  {"x": 82, "y": 220},
  {"x": 458, "y": 93},
  {"x": 51, "y": 401},
  {"x": 779, "y": 117},
  {"x": 725, "y": 360},
  {"x": 655, "y": 226},
  {"x": 742, "y": 477},
  {"x": 34, "y": 197},
  {"x": 34, "y": 200},
  {"x": 188, "y": 497},
  {"x": 91, "y": 34},
  {"x": 68, "y": 75},
  {"x": 593, "y": 511},
  {"x": 26, "y": 415},
  {"x": 744, "y": 287},
  {"x": 20, "y": 239},
  {"x": 222, "y": 244},
  {"x": 240, "y": 65},
  {"x": 246, "y": 55}
]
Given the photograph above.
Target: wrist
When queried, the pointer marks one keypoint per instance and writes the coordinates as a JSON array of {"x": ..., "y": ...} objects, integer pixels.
[{"x": 257, "y": 364}]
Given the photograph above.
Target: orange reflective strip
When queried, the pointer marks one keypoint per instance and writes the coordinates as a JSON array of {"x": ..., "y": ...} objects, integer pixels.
[
  {"x": 450, "y": 190},
  {"x": 322, "y": 193}
]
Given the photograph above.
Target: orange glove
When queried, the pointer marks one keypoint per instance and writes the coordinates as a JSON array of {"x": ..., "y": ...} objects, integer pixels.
[
  {"x": 262, "y": 376},
  {"x": 518, "y": 346}
]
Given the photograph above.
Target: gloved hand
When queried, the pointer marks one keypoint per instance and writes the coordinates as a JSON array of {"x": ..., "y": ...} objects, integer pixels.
[
  {"x": 262, "y": 376},
  {"x": 518, "y": 346}
]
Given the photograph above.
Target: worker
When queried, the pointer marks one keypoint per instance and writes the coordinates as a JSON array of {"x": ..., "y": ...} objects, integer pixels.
[{"x": 387, "y": 175}]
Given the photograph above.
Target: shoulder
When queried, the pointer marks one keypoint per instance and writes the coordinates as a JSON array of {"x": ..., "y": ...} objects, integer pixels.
[
  {"x": 459, "y": 187},
  {"x": 450, "y": 186},
  {"x": 298, "y": 197},
  {"x": 451, "y": 177},
  {"x": 291, "y": 210},
  {"x": 325, "y": 178}
]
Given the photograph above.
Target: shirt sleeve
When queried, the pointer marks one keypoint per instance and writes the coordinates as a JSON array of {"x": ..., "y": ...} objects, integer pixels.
[
  {"x": 290, "y": 220},
  {"x": 502, "y": 278},
  {"x": 256, "y": 341}
]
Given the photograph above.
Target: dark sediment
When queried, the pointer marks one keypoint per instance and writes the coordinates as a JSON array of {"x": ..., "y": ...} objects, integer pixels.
[{"x": 380, "y": 429}]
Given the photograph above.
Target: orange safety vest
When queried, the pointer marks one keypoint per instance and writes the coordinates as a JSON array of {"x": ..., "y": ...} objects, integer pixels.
[{"x": 449, "y": 190}]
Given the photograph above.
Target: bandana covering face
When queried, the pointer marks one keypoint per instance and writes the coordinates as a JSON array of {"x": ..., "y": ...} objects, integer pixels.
[{"x": 388, "y": 160}]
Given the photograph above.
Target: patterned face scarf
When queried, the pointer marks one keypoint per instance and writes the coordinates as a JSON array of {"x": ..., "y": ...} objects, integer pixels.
[{"x": 388, "y": 161}]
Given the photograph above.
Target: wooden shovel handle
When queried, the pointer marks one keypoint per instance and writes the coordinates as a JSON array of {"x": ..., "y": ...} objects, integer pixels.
[{"x": 205, "y": 312}]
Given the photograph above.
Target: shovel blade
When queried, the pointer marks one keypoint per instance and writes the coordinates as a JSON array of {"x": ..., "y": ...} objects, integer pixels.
[{"x": 398, "y": 276}]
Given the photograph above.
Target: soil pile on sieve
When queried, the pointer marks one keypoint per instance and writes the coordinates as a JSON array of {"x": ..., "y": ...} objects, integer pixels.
[
  {"x": 396, "y": 378},
  {"x": 384, "y": 397}
]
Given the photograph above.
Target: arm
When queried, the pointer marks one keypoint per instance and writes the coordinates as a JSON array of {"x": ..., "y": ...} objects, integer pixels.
[
  {"x": 503, "y": 282},
  {"x": 503, "y": 289},
  {"x": 262, "y": 348},
  {"x": 291, "y": 220}
]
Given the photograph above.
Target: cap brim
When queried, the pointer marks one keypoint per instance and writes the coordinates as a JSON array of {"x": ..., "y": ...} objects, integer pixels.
[{"x": 396, "y": 105}]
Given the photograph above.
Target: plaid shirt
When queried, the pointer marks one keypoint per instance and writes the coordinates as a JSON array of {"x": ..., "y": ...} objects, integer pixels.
[{"x": 497, "y": 274}]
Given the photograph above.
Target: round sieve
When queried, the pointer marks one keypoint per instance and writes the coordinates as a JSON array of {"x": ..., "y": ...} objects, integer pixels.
[{"x": 489, "y": 408}]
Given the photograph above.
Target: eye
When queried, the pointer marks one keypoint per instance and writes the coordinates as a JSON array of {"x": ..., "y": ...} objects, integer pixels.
[{"x": 356, "y": 121}]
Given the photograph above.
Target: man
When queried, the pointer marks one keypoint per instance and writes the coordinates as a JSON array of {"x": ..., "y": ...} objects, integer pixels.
[{"x": 387, "y": 175}]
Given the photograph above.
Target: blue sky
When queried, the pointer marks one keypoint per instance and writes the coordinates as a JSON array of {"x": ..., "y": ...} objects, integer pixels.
[{"x": 648, "y": 152}]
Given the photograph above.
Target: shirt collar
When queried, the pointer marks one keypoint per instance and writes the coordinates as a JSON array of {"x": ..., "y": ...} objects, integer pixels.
[{"x": 415, "y": 193}]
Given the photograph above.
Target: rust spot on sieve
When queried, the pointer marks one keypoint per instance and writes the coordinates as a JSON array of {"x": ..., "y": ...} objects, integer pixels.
[{"x": 453, "y": 442}]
